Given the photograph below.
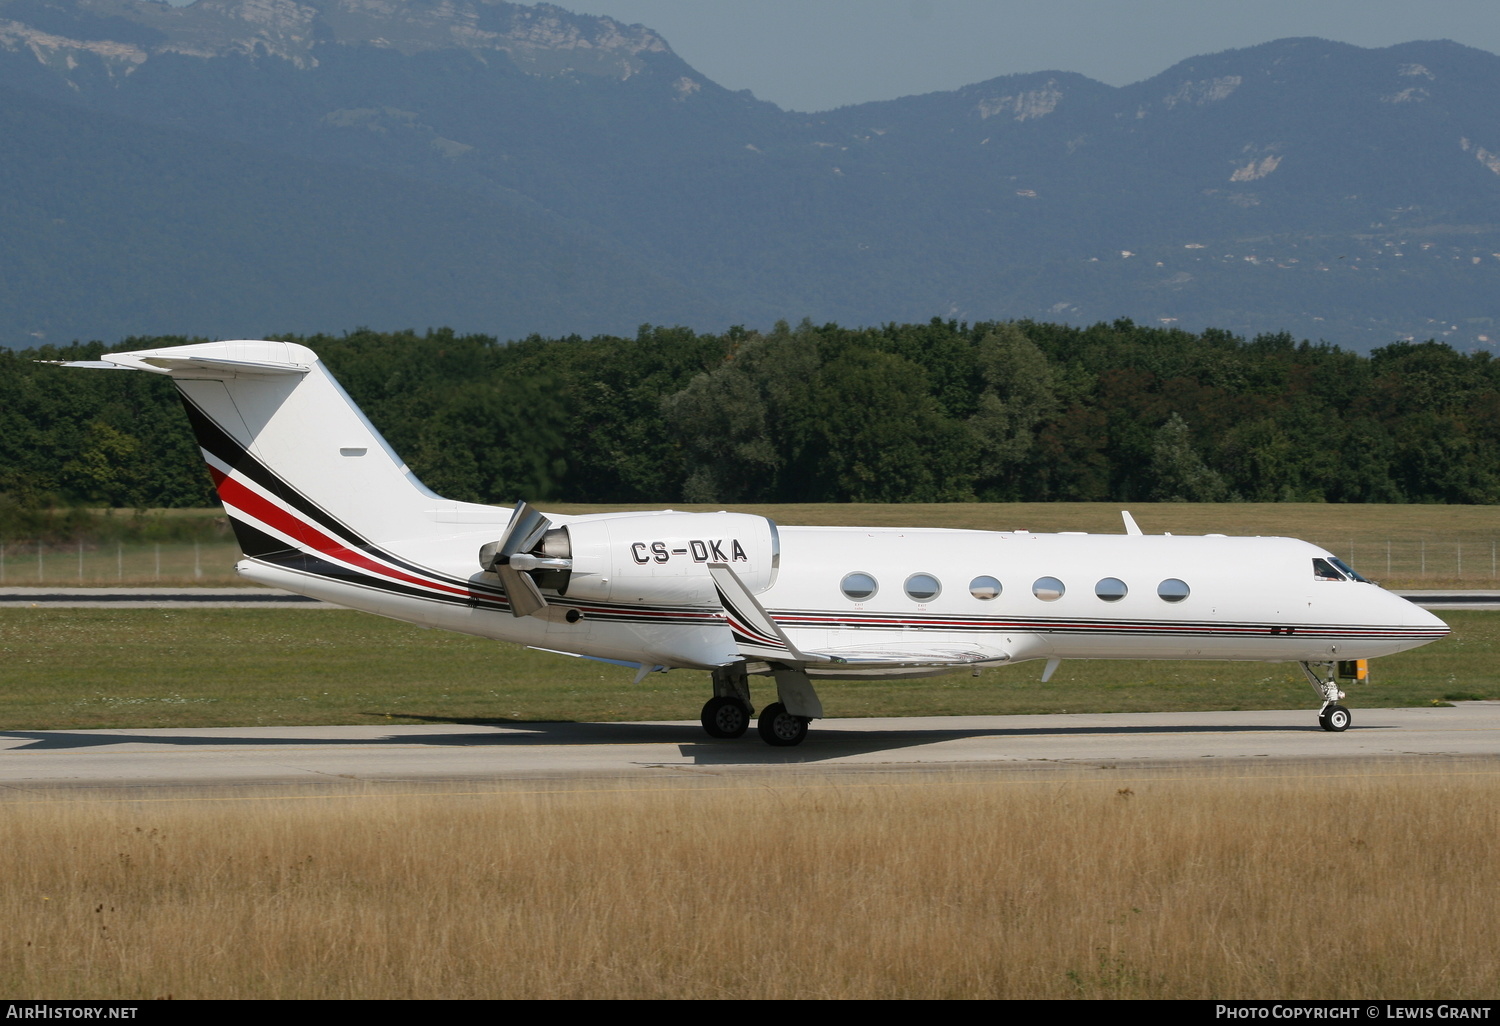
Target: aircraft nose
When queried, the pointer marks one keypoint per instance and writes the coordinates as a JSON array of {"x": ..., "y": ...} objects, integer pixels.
[
  {"x": 1423, "y": 619},
  {"x": 1426, "y": 618}
]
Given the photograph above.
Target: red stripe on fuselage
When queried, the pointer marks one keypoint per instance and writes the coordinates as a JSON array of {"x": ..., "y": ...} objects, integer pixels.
[{"x": 233, "y": 493}]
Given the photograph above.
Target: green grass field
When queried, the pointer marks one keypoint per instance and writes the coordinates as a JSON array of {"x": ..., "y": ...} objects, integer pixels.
[{"x": 86, "y": 668}]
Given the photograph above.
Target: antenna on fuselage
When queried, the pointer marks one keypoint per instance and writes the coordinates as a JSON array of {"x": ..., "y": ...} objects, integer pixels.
[{"x": 1130, "y": 525}]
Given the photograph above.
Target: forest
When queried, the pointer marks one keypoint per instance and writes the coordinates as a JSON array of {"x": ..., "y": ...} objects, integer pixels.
[{"x": 937, "y": 412}]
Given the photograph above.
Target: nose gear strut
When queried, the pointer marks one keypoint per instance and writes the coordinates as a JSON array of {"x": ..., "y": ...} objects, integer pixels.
[{"x": 1332, "y": 716}]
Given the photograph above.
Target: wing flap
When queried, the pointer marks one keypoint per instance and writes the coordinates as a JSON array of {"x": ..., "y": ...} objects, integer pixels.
[{"x": 913, "y": 656}]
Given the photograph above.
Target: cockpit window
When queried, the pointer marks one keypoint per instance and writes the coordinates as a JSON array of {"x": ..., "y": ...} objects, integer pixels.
[
  {"x": 1324, "y": 571},
  {"x": 1348, "y": 570}
]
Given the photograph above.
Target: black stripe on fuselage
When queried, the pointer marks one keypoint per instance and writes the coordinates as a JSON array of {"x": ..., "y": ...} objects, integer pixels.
[
  {"x": 257, "y": 544},
  {"x": 309, "y": 565},
  {"x": 1093, "y": 625},
  {"x": 223, "y": 447}
]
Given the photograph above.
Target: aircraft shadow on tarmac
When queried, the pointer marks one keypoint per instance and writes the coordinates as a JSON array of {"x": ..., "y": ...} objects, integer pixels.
[{"x": 825, "y": 741}]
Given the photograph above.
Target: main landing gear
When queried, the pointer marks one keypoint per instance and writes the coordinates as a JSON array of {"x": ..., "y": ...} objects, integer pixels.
[
  {"x": 780, "y": 728},
  {"x": 782, "y": 724},
  {"x": 726, "y": 717},
  {"x": 1332, "y": 717}
]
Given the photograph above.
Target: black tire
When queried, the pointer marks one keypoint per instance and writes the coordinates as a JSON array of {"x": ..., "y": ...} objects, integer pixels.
[
  {"x": 781, "y": 729},
  {"x": 725, "y": 717},
  {"x": 1335, "y": 718}
]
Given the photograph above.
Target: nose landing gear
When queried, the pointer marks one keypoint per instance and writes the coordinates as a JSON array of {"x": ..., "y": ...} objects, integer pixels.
[{"x": 1333, "y": 717}]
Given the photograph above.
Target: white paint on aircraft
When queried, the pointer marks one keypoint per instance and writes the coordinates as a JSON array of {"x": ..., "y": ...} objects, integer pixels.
[{"x": 323, "y": 507}]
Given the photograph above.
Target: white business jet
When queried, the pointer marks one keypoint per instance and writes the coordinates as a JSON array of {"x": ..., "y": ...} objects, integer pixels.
[{"x": 322, "y": 506}]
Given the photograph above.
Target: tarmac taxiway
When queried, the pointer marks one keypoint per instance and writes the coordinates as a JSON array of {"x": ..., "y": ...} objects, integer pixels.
[{"x": 435, "y": 751}]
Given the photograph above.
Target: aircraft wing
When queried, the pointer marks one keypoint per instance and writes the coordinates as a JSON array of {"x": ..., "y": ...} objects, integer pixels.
[
  {"x": 892, "y": 657},
  {"x": 759, "y": 636}
]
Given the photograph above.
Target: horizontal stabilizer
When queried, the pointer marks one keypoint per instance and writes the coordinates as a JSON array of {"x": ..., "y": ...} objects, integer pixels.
[
  {"x": 84, "y": 364},
  {"x": 209, "y": 360}
]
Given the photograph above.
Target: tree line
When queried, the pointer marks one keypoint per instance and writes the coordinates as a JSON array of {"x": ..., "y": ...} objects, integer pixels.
[{"x": 937, "y": 412}]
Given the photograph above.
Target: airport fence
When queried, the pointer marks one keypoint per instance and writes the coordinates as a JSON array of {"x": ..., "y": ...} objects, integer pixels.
[{"x": 119, "y": 564}]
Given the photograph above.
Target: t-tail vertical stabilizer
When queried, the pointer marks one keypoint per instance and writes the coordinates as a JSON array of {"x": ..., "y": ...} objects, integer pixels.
[{"x": 308, "y": 482}]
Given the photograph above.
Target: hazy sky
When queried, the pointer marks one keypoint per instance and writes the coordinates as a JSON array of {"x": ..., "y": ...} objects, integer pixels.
[{"x": 819, "y": 54}]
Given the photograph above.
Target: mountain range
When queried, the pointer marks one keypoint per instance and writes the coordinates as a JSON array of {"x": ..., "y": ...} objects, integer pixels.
[{"x": 245, "y": 167}]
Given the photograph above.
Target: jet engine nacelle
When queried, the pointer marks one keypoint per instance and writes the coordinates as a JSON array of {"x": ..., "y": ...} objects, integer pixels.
[{"x": 664, "y": 557}]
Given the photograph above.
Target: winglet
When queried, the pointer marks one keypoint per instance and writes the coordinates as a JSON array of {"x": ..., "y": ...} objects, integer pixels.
[
  {"x": 1130, "y": 524},
  {"x": 755, "y": 633}
]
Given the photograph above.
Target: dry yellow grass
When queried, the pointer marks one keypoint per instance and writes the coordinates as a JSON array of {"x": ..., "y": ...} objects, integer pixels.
[{"x": 1366, "y": 882}]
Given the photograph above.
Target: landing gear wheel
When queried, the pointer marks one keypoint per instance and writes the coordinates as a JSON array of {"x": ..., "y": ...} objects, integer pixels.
[
  {"x": 780, "y": 728},
  {"x": 1335, "y": 718},
  {"x": 725, "y": 717}
]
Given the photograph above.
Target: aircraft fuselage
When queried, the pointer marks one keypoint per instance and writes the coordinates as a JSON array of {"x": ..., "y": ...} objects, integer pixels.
[{"x": 1240, "y": 598}]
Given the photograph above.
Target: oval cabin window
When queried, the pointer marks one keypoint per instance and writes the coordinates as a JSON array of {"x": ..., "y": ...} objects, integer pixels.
[
  {"x": 984, "y": 588},
  {"x": 1173, "y": 590},
  {"x": 858, "y": 586},
  {"x": 1048, "y": 589},
  {"x": 1111, "y": 589},
  {"x": 922, "y": 587}
]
